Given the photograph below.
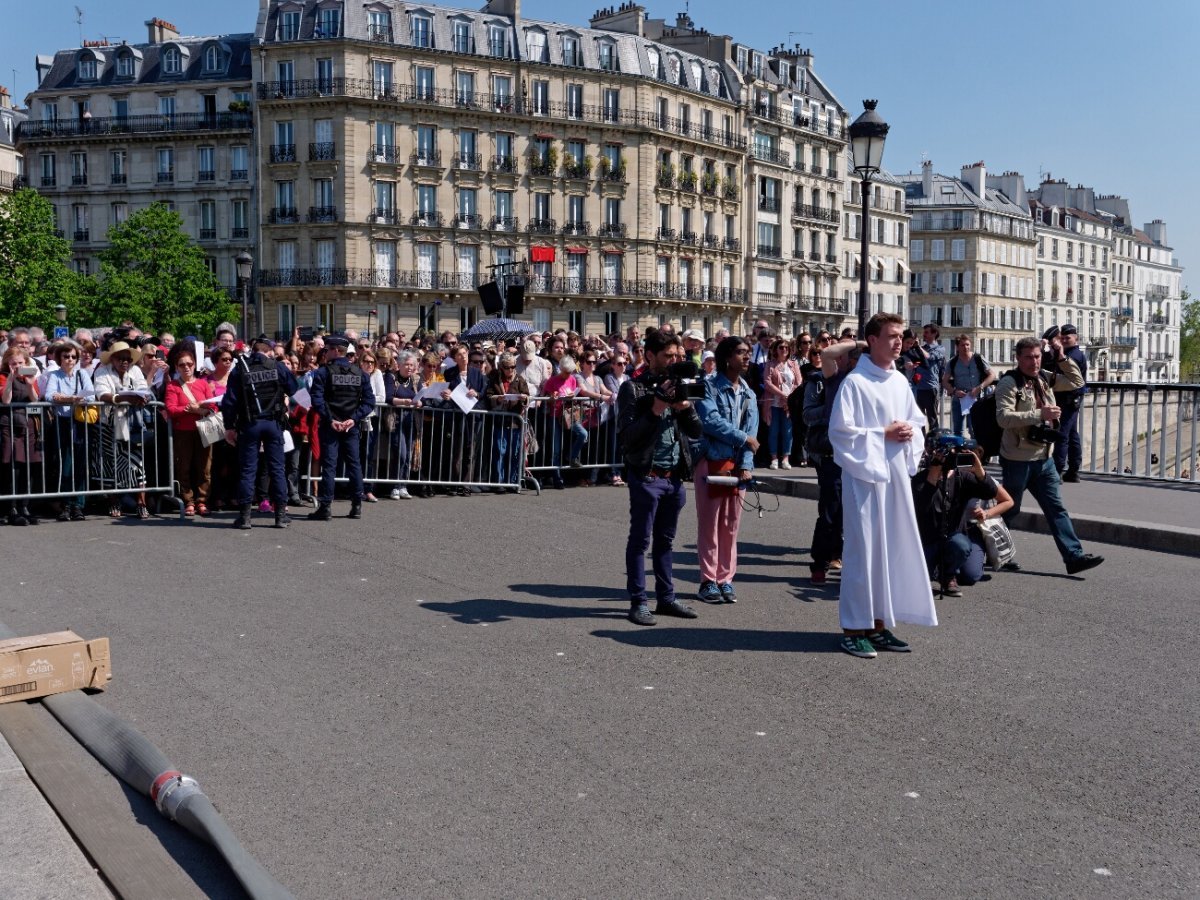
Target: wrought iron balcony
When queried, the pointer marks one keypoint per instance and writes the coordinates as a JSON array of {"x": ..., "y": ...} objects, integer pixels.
[
  {"x": 239, "y": 175},
  {"x": 504, "y": 165},
  {"x": 166, "y": 177},
  {"x": 820, "y": 213},
  {"x": 380, "y": 33},
  {"x": 81, "y": 234},
  {"x": 729, "y": 192},
  {"x": 1122, "y": 312},
  {"x": 427, "y": 158},
  {"x": 208, "y": 234},
  {"x": 505, "y": 223},
  {"x": 469, "y": 221},
  {"x": 1098, "y": 340},
  {"x": 283, "y": 153},
  {"x": 426, "y": 219},
  {"x": 283, "y": 215},
  {"x": 812, "y": 254},
  {"x": 689, "y": 238},
  {"x": 100, "y": 126},
  {"x": 831, "y": 257},
  {"x": 768, "y": 204},
  {"x": 666, "y": 234},
  {"x": 577, "y": 171},
  {"x": 613, "y": 176},
  {"x": 712, "y": 241},
  {"x": 612, "y": 230},
  {"x": 78, "y": 180},
  {"x": 1127, "y": 343},
  {"x": 118, "y": 178},
  {"x": 322, "y": 214},
  {"x": 541, "y": 168},
  {"x": 48, "y": 181},
  {"x": 322, "y": 151},
  {"x": 577, "y": 228},
  {"x": 665, "y": 179},
  {"x": 733, "y": 244},
  {"x": 800, "y": 166},
  {"x": 239, "y": 233},
  {"x": 769, "y": 251},
  {"x": 542, "y": 226},
  {"x": 472, "y": 162},
  {"x": 383, "y": 153},
  {"x": 206, "y": 175},
  {"x": 772, "y": 155},
  {"x": 383, "y": 215}
]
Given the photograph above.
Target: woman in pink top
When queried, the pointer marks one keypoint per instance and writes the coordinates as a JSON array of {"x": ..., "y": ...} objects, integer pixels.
[
  {"x": 781, "y": 378},
  {"x": 185, "y": 393},
  {"x": 564, "y": 415}
]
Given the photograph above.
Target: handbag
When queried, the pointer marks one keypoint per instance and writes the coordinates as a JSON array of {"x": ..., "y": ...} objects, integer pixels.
[
  {"x": 211, "y": 428},
  {"x": 84, "y": 413},
  {"x": 998, "y": 544}
]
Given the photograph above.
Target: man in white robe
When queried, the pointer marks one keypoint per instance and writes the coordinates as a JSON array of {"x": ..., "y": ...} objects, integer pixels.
[{"x": 875, "y": 430}]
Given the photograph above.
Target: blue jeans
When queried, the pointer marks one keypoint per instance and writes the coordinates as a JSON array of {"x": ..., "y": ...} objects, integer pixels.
[
  {"x": 506, "y": 450},
  {"x": 1040, "y": 478},
  {"x": 957, "y": 418},
  {"x": 779, "y": 435},
  {"x": 963, "y": 559},
  {"x": 654, "y": 507},
  {"x": 579, "y": 439}
]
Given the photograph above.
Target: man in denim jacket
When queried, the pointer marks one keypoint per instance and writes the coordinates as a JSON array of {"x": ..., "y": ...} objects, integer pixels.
[{"x": 729, "y": 419}]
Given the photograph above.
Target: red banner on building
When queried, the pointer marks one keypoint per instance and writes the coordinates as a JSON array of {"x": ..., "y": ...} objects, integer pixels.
[{"x": 541, "y": 254}]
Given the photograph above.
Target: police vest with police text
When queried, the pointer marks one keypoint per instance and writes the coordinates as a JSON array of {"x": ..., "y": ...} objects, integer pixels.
[
  {"x": 264, "y": 387},
  {"x": 343, "y": 391}
]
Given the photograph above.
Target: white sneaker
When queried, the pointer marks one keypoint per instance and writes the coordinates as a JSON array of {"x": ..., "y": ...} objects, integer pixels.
[
  {"x": 395, "y": 494},
  {"x": 774, "y": 464},
  {"x": 785, "y": 464},
  {"x": 402, "y": 494}
]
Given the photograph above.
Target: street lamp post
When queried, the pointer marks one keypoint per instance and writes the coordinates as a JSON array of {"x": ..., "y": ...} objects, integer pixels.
[
  {"x": 867, "y": 134},
  {"x": 245, "y": 268}
]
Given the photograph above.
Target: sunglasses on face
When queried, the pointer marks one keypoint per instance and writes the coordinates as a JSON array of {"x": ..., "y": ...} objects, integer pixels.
[
  {"x": 68, "y": 356},
  {"x": 508, "y": 368}
]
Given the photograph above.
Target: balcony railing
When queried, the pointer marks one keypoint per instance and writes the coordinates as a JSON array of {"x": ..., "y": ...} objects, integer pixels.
[
  {"x": 665, "y": 179},
  {"x": 468, "y": 162},
  {"x": 427, "y": 158},
  {"x": 689, "y": 239},
  {"x": 772, "y": 155},
  {"x": 612, "y": 230},
  {"x": 504, "y": 165},
  {"x": 541, "y": 168},
  {"x": 768, "y": 204},
  {"x": 821, "y": 213},
  {"x": 78, "y": 180},
  {"x": 81, "y": 234},
  {"x": 283, "y": 215},
  {"x": 666, "y": 234},
  {"x": 734, "y": 245},
  {"x": 577, "y": 228},
  {"x": 381, "y": 33},
  {"x": 283, "y": 153},
  {"x": 830, "y": 257},
  {"x": 508, "y": 104},
  {"x": 769, "y": 251},
  {"x": 1125, "y": 342},
  {"x": 151, "y": 124},
  {"x": 505, "y": 223},
  {"x": 613, "y": 176},
  {"x": 426, "y": 219},
  {"x": 712, "y": 241},
  {"x": 208, "y": 234},
  {"x": 239, "y": 174},
  {"x": 118, "y": 178},
  {"x": 383, "y": 153},
  {"x": 542, "y": 226},
  {"x": 469, "y": 221},
  {"x": 322, "y": 151},
  {"x": 239, "y": 233},
  {"x": 166, "y": 177},
  {"x": 206, "y": 175},
  {"x": 322, "y": 214},
  {"x": 577, "y": 171},
  {"x": 1122, "y": 312},
  {"x": 48, "y": 181},
  {"x": 383, "y": 215},
  {"x": 812, "y": 254}
]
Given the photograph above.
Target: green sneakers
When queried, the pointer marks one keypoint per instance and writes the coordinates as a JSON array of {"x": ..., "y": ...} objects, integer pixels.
[
  {"x": 885, "y": 640},
  {"x": 858, "y": 645}
]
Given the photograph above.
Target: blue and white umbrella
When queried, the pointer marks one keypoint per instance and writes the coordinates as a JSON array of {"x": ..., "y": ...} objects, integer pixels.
[{"x": 496, "y": 330}]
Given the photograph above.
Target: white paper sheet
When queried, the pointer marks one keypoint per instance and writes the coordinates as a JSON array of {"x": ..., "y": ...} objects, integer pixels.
[
  {"x": 288, "y": 444},
  {"x": 433, "y": 392},
  {"x": 459, "y": 396},
  {"x": 303, "y": 398},
  {"x": 203, "y": 363},
  {"x": 965, "y": 404}
]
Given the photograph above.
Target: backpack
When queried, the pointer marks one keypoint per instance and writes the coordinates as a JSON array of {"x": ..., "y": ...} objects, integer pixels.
[
  {"x": 979, "y": 366},
  {"x": 988, "y": 432}
]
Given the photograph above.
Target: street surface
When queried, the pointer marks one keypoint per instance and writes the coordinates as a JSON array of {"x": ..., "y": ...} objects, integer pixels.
[{"x": 445, "y": 700}]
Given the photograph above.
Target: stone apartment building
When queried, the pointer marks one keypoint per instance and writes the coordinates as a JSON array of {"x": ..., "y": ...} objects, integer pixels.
[
  {"x": 12, "y": 169},
  {"x": 114, "y": 128},
  {"x": 972, "y": 257},
  {"x": 888, "y": 264}
]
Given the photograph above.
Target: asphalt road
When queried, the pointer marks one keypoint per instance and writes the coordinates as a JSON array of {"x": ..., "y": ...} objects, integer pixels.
[{"x": 445, "y": 700}]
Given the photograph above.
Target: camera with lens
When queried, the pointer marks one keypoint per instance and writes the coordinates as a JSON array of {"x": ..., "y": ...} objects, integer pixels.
[
  {"x": 1045, "y": 433},
  {"x": 683, "y": 380},
  {"x": 951, "y": 451}
]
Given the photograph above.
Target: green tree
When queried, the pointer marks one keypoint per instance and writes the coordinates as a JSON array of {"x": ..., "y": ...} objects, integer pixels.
[
  {"x": 153, "y": 274},
  {"x": 1189, "y": 337},
  {"x": 34, "y": 273}
]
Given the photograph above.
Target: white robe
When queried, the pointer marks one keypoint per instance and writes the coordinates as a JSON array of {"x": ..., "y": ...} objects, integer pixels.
[{"x": 884, "y": 575}]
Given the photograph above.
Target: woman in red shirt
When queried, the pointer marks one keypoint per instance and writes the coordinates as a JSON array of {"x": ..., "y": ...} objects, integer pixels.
[{"x": 185, "y": 393}]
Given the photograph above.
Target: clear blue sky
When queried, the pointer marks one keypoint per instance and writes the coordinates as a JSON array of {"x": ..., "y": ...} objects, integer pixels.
[{"x": 1099, "y": 92}]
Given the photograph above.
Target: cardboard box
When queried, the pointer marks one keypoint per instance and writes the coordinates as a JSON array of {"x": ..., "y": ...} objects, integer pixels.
[{"x": 44, "y": 664}]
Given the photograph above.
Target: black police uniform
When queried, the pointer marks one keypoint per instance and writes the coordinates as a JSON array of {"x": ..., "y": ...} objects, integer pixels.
[
  {"x": 340, "y": 391},
  {"x": 254, "y": 404},
  {"x": 1068, "y": 453}
]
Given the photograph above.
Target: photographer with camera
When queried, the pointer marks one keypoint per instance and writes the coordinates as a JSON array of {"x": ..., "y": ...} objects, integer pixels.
[
  {"x": 729, "y": 418},
  {"x": 654, "y": 422},
  {"x": 943, "y": 490},
  {"x": 1068, "y": 453},
  {"x": 1027, "y": 413}
]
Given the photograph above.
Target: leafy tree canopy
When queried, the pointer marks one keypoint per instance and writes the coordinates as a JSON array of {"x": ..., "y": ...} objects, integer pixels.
[{"x": 34, "y": 272}]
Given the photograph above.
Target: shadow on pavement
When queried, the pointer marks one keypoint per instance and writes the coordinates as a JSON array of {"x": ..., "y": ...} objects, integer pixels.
[
  {"x": 557, "y": 590},
  {"x": 727, "y": 640},
  {"x": 475, "y": 612}
]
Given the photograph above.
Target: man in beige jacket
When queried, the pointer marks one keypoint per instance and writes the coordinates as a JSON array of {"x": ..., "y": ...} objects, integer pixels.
[{"x": 1026, "y": 410}]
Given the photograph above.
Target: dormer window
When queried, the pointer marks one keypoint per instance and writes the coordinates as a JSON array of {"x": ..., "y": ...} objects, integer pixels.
[
  {"x": 535, "y": 45},
  {"x": 422, "y": 31},
  {"x": 608, "y": 56},
  {"x": 125, "y": 65},
  {"x": 87, "y": 67},
  {"x": 329, "y": 22},
  {"x": 741, "y": 59},
  {"x": 571, "y": 54},
  {"x": 497, "y": 43},
  {"x": 289, "y": 25},
  {"x": 785, "y": 72},
  {"x": 172, "y": 61},
  {"x": 379, "y": 25},
  {"x": 212, "y": 58},
  {"x": 756, "y": 64}
]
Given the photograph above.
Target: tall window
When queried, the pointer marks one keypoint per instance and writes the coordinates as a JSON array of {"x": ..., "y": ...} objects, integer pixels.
[
  {"x": 208, "y": 220},
  {"x": 289, "y": 25},
  {"x": 120, "y": 162},
  {"x": 329, "y": 22},
  {"x": 422, "y": 31},
  {"x": 382, "y": 74},
  {"x": 166, "y": 164},
  {"x": 206, "y": 164},
  {"x": 541, "y": 98},
  {"x": 324, "y": 73},
  {"x": 239, "y": 219},
  {"x": 87, "y": 68},
  {"x": 379, "y": 26},
  {"x": 238, "y": 163},
  {"x": 462, "y": 38},
  {"x": 612, "y": 104},
  {"x": 574, "y": 101},
  {"x": 212, "y": 58},
  {"x": 608, "y": 56},
  {"x": 125, "y": 65},
  {"x": 571, "y": 54},
  {"x": 424, "y": 82},
  {"x": 172, "y": 61},
  {"x": 535, "y": 45}
]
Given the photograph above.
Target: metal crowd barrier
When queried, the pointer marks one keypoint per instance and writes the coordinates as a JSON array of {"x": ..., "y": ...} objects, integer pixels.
[
  {"x": 438, "y": 447},
  {"x": 574, "y": 433},
  {"x": 47, "y": 455}
]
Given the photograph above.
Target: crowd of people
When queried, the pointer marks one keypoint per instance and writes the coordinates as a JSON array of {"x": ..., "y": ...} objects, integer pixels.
[{"x": 251, "y": 422}]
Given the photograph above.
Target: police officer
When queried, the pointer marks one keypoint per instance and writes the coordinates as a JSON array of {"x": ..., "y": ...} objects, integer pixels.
[
  {"x": 342, "y": 397},
  {"x": 1068, "y": 453},
  {"x": 653, "y": 431},
  {"x": 253, "y": 408}
]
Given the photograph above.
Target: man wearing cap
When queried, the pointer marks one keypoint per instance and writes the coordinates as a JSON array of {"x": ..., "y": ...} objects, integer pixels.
[
  {"x": 533, "y": 368},
  {"x": 342, "y": 398},
  {"x": 693, "y": 345},
  {"x": 253, "y": 408},
  {"x": 1068, "y": 453}
]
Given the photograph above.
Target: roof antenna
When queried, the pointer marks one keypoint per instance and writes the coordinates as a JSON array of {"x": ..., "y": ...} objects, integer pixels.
[{"x": 79, "y": 22}]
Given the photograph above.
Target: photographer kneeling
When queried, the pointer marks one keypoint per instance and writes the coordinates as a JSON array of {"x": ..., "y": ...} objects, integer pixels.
[
  {"x": 1025, "y": 409},
  {"x": 946, "y": 510}
]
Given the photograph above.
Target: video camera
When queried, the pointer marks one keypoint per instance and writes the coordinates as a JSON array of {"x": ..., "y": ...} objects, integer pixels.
[
  {"x": 685, "y": 380},
  {"x": 951, "y": 451}
]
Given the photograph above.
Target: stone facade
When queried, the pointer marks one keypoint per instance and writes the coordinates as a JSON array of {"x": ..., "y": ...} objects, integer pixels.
[
  {"x": 888, "y": 264},
  {"x": 11, "y": 163}
]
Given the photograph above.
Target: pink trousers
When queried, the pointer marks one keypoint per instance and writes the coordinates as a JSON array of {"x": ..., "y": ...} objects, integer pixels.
[{"x": 717, "y": 521}]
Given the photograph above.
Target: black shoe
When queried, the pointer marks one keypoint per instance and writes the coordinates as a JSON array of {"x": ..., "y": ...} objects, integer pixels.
[
  {"x": 243, "y": 519},
  {"x": 64, "y": 516},
  {"x": 15, "y": 518},
  {"x": 321, "y": 514},
  {"x": 77, "y": 514},
  {"x": 355, "y": 509},
  {"x": 282, "y": 520},
  {"x": 1082, "y": 563},
  {"x": 559, "y": 485},
  {"x": 676, "y": 608},
  {"x": 951, "y": 589},
  {"x": 295, "y": 500},
  {"x": 1071, "y": 476},
  {"x": 1011, "y": 567},
  {"x": 640, "y": 614}
]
